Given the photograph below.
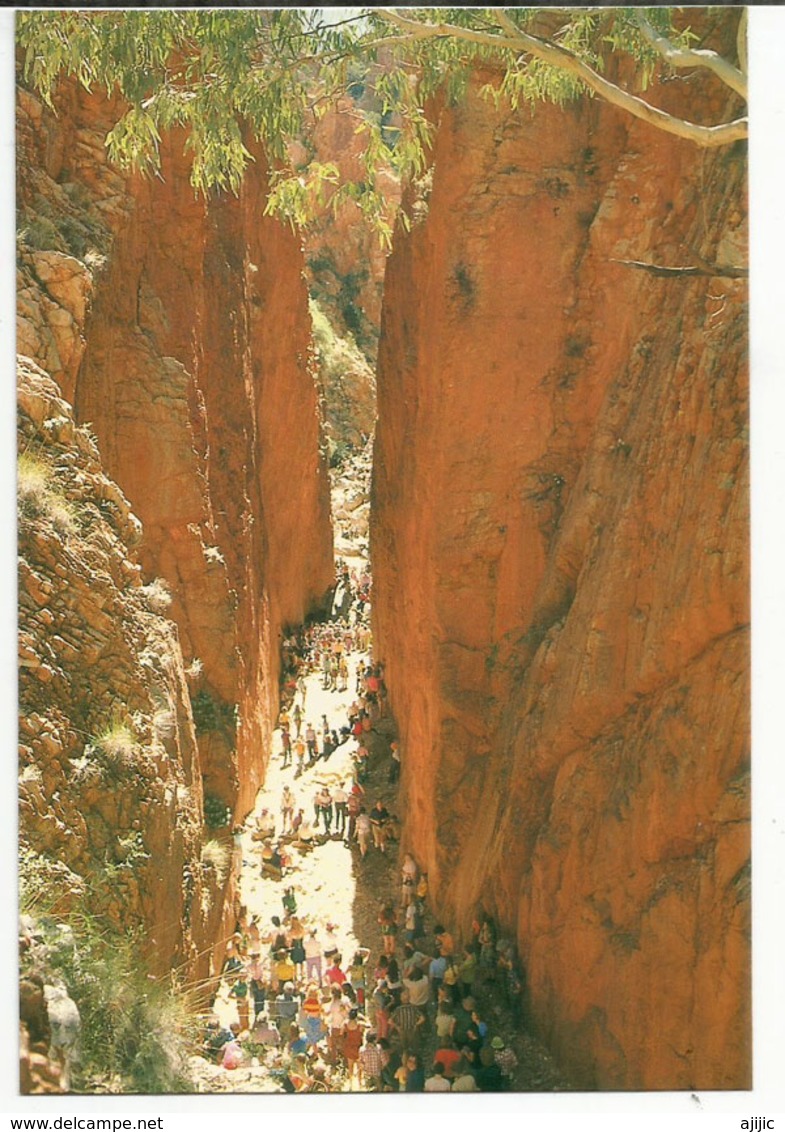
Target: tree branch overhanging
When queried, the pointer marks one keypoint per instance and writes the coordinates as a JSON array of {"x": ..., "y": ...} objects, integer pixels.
[
  {"x": 693, "y": 57},
  {"x": 515, "y": 39}
]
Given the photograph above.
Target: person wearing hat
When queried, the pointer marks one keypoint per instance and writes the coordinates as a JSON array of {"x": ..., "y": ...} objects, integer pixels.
[{"x": 505, "y": 1058}]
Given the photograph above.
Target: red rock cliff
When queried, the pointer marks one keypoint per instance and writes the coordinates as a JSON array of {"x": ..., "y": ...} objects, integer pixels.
[
  {"x": 559, "y": 543},
  {"x": 195, "y": 379},
  {"x": 179, "y": 329}
]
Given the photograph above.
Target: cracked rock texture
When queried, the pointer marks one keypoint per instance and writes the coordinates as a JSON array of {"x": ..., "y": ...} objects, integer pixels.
[
  {"x": 559, "y": 538},
  {"x": 178, "y": 329}
]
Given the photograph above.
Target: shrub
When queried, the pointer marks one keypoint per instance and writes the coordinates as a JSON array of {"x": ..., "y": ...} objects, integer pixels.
[
  {"x": 216, "y": 857},
  {"x": 39, "y": 497},
  {"x": 136, "y": 1031},
  {"x": 157, "y": 596},
  {"x": 211, "y": 714},
  {"x": 216, "y": 813},
  {"x": 117, "y": 748}
]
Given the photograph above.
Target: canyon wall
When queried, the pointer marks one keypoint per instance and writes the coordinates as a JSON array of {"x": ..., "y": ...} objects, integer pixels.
[
  {"x": 110, "y": 792},
  {"x": 178, "y": 328},
  {"x": 560, "y": 551}
]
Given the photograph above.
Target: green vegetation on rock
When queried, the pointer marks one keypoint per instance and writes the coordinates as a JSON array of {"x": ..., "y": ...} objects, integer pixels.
[
  {"x": 136, "y": 1031},
  {"x": 263, "y": 73}
]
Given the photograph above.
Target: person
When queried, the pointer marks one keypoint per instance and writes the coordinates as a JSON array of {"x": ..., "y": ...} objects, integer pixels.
[
  {"x": 287, "y": 808},
  {"x": 265, "y": 827},
  {"x": 265, "y": 1032},
  {"x": 463, "y": 1020},
  {"x": 299, "y": 751},
  {"x": 410, "y": 923},
  {"x": 286, "y": 1005},
  {"x": 357, "y": 974},
  {"x": 415, "y": 1075},
  {"x": 297, "y": 716},
  {"x": 436, "y": 969},
  {"x": 395, "y": 764},
  {"x": 272, "y": 866},
  {"x": 445, "y": 945},
  {"x": 445, "y": 1018},
  {"x": 389, "y": 927},
  {"x": 373, "y": 1060},
  {"x": 337, "y": 1017},
  {"x": 489, "y": 1076},
  {"x": 361, "y": 763},
  {"x": 278, "y": 940},
  {"x": 451, "y": 980},
  {"x": 257, "y": 987},
  {"x": 330, "y": 941},
  {"x": 394, "y": 981},
  {"x": 325, "y": 805},
  {"x": 463, "y": 1080},
  {"x": 487, "y": 942},
  {"x": 408, "y": 880},
  {"x": 406, "y": 1020},
  {"x": 233, "y": 964},
  {"x": 301, "y": 685},
  {"x": 352, "y": 1040},
  {"x": 341, "y": 801},
  {"x": 313, "y": 956},
  {"x": 363, "y": 830},
  {"x": 467, "y": 971},
  {"x": 334, "y": 974},
  {"x": 418, "y": 988},
  {"x": 311, "y": 1013},
  {"x": 232, "y": 1053},
  {"x": 505, "y": 1058},
  {"x": 438, "y": 1083},
  {"x": 391, "y": 1067},
  {"x": 284, "y": 968},
  {"x": 448, "y": 1055},
  {"x": 382, "y": 1002},
  {"x": 310, "y": 742},
  {"x": 296, "y": 1043},
  {"x": 379, "y": 818},
  {"x": 289, "y": 901},
  {"x": 286, "y": 746},
  {"x": 297, "y": 952}
]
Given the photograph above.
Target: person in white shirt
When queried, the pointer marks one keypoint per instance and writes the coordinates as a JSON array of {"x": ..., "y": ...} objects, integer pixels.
[
  {"x": 313, "y": 956},
  {"x": 438, "y": 1083},
  {"x": 341, "y": 802}
]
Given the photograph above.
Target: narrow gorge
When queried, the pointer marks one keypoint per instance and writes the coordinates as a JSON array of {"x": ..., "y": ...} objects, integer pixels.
[{"x": 542, "y": 374}]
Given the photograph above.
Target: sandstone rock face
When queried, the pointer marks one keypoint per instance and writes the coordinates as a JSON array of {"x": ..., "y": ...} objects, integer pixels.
[
  {"x": 110, "y": 790},
  {"x": 559, "y": 542},
  {"x": 179, "y": 329},
  {"x": 345, "y": 259}
]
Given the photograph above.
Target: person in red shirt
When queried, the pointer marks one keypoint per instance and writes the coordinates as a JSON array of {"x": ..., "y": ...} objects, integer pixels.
[
  {"x": 449, "y": 1056},
  {"x": 334, "y": 974}
]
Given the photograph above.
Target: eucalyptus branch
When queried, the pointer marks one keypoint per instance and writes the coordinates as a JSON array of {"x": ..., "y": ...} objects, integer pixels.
[
  {"x": 565, "y": 60},
  {"x": 679, "y": 57},
  {"x": 741, "y": 41}
]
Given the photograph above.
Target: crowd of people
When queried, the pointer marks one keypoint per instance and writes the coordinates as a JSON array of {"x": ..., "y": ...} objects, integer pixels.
[{"x": 405, "y": 1017}]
